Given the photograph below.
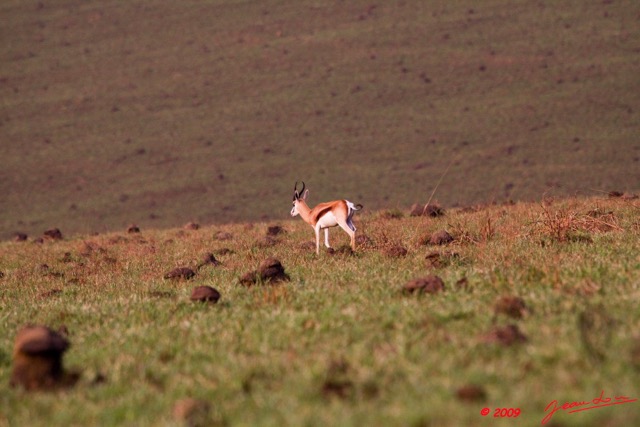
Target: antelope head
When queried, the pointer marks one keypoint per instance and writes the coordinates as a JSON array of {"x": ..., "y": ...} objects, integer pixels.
[{"x": 298, "y": 197}]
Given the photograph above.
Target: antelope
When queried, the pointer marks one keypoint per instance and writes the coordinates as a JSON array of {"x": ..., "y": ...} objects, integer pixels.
[{"x": 325, "y": 215}]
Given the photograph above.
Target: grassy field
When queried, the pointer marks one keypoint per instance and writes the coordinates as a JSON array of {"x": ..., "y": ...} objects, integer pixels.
[
  {"x": 340, "y": 343},
  {"x": 161, "y": 112}
]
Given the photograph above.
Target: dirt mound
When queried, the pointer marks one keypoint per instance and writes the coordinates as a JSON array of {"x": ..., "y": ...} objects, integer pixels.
[
  {"x": 180, "y": 273},
  {"x": 272, "y": 269},
  {"x": 37, "y": 359},
  {"x": 416, "y": 209},
  {"x": 433, "y": 210},
  {"x": 20, "y": 237},
  {"x": 441, "y": 237},
  {"x": 205, "y": 294},
  {"x": 53, "y": 234},
  {"x": 269, "y": 271},
  {"x": 337, "y": 382},
  {"x": 274, "y": 230},
  {"x": 208, "y": 259},
  {"x": 267, "y": 241},
  {"x": 395, "y": 251},
  {"x": 471, "y": 393},
  {"x": 430, "y": 285},
  {"x": 511, "y": 306}
]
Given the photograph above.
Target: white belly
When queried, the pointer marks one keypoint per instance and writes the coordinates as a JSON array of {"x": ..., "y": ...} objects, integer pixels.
[{"x": 327, "y": 220}]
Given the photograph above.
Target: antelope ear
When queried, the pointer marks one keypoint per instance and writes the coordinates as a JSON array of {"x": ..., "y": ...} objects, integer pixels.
[{"x": 306, "y": 193}]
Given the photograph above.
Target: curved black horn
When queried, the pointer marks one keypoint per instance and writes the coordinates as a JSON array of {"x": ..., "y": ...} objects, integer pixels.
[{"x": 297, "y": 194}]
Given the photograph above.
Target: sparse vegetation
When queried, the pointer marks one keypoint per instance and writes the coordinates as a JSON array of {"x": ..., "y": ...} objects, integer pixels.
[{"x": 523, "y": 318}]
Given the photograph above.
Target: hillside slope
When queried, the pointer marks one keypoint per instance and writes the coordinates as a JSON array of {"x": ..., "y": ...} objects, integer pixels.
[{"x": 161, "y": 112}]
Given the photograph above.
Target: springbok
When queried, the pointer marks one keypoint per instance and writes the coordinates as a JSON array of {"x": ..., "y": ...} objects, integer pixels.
[{"x": 325, "y": 215}]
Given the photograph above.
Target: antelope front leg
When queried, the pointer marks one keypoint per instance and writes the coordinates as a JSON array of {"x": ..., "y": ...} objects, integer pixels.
[
  {"x": 317, "y": 230},
  {"x": 326, "y": 238}
]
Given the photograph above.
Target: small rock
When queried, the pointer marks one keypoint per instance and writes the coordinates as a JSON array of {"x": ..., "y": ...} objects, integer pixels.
[
  {"x": 205, "y": 294},
  {"x": 180, "y": 273},
  {"x": 430, "y": 285},
  {"x": 37, "y": 359}
]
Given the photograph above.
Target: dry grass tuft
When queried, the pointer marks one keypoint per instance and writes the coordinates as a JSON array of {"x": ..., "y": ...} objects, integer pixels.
[{"x": 567, "y": 224}]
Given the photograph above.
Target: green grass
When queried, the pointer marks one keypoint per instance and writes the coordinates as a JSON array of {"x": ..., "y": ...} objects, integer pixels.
[
  {"x": 267, "y": 355},
  {"x": 159, "y": 112}
]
